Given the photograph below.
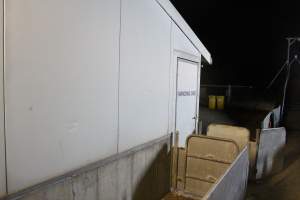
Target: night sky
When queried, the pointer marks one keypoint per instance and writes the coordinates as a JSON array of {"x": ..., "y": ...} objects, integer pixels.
[{"x": 247, "y": 41}]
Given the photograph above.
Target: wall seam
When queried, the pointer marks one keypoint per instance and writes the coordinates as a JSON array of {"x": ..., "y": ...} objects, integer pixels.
[
  {"x": 3, "y": 93},
  {"x": 3, "y": 90},
  {"x": 119, "y": 77},
  {"x": 170, "y": 78}
]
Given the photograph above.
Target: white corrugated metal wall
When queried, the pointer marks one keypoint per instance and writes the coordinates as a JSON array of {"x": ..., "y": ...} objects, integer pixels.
[
  {"x": 61, "y": 70},
  {"x": 78, "y": 88},
  {"x": 144, "y": 72}
]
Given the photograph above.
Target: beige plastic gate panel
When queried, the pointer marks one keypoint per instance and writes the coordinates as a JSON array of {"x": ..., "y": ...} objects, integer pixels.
[
  {"x": 239, "y": 134},
  {"x": 197, "y": 188},
  {"x": 209, "y": 147},
  {"x": 233, "y": 184},
  {"x": 208, "y": 158},
  {"x": 210, "y": 170},
  {"x": 175, "y": 196}
]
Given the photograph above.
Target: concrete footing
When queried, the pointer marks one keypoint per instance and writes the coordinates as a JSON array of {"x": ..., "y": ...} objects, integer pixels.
[{"x": 140, "y": 173}]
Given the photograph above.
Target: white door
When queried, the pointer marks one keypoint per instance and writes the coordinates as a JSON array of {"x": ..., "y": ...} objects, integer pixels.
[{"x": 187, "y": 98}]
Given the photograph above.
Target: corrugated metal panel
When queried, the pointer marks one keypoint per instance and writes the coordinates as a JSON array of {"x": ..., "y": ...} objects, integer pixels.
[
  {"x": 62, "y": 60},
  {"x": 144, "y": 72},
  {"x": 62, "y": 76},
  {"x": 270, "y": 151}
]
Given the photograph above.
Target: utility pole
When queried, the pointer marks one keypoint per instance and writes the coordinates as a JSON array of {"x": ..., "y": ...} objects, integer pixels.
[{"x": 290, "y": 60}]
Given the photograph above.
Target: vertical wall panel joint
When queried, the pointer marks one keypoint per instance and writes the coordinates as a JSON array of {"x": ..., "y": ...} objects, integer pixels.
[
  {"x": 3, "y": 90},
  {"x": 119, "y": 76}
]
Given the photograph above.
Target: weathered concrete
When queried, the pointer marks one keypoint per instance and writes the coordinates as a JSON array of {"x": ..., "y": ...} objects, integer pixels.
[
  {"x": 140, "y": 173},
  {"x": 85, "y": 186},
  {"x": 108, "y": 181},
  {"x": 125, "y": 178},
  {"x": 59, "y": 191}
]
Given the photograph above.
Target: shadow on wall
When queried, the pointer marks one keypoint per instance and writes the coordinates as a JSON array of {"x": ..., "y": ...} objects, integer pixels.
[{"x": 155, "y": 182}]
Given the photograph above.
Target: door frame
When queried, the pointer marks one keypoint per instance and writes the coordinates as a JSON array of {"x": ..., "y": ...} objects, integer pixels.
[{"x": 180, "y": 55}]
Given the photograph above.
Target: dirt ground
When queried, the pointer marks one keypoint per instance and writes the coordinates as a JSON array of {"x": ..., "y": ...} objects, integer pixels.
[{"x": 286, "y": 184}]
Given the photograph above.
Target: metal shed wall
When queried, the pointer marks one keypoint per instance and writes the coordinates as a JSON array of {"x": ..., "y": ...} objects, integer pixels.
[
  {"x": 61, "y": 78},
  {"x": 84, "y": 80},
  {"x": 144, "y": 72}
]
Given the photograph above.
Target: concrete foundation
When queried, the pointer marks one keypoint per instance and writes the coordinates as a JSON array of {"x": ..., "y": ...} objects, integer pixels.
[{"x": 140, "y": 173}]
